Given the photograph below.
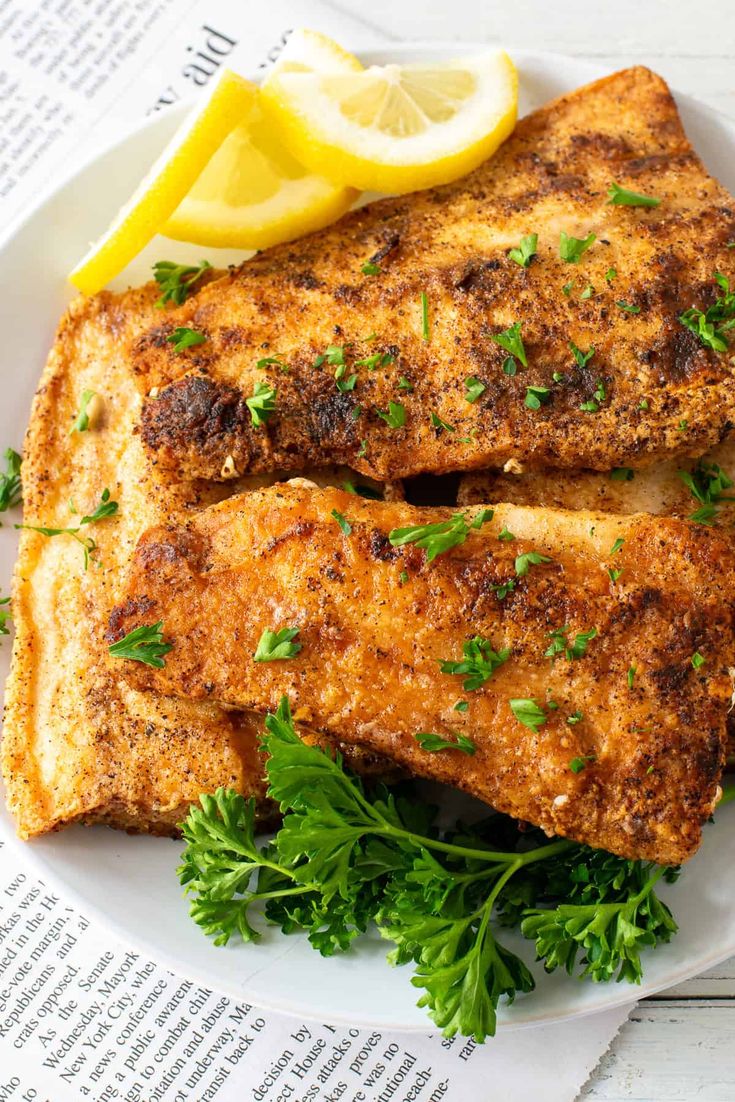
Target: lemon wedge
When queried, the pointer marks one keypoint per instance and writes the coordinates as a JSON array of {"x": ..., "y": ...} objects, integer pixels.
[
  {"x": 396, "y": 128},
  {"x": 253, "y": 193},
  {"x": 231, "y": 101}
]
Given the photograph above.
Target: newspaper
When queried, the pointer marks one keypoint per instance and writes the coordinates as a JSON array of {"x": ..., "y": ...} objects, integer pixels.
[{"x": 80, "y": 1016}]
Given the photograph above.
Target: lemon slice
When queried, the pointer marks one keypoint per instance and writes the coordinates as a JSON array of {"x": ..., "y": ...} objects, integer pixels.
[
  {"x": 253, "y": 194},
  {"x": 396, "y": 127},
  {"x": 230, "y": 101}
]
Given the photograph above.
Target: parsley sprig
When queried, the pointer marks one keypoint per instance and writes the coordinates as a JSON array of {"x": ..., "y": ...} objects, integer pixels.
[
  {"x": 622, "y": 197},
  {"x": 143, "y": 644},
  {"x": 707, "y": 484},
  {"x": 277, "y": 645},
  {"x": 345, "y": 857},
  {"x": 712, "y": 324},
  {"x": 561, "y": 645},
  {"x": 10, "y": 486},
  {"x": 104, "y": 509},
  {"x": 177, "y": 280},
  {"x": 512, "y": 341},
  {"x": 81, "y": 421},
  {"x": 524, "y": 254},
  {"x": 440, "y": 537}
]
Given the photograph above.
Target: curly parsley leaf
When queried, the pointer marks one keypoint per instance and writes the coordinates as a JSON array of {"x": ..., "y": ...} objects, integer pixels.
[
  {"x": 262, "y": 404},
  {"x": 621, "y": 197},
  {"x": 81, "y": 421},
  {"x": 512, "y": 341},
  {"x": 143, "y": 644},
  {"x": 572, "y": 249},
  {"x": 10, "y": 485},
  {"x": 440, "y": 537},
  {"x": 277, "y": 645},
  {"x": 479, "y": 663},
  {"x": 177, "y": 281},
  {"x": 524, "y": 254}
]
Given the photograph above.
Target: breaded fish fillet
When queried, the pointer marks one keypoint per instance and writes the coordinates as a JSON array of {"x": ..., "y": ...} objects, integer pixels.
[
  {"x": 402, "y": 344},
  {"x": 78, "y": 743},
  {"x": 629, "y": 762}
]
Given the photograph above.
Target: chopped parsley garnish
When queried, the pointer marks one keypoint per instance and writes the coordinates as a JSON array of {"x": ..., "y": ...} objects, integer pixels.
[
  {"x": 403, "y": 577},
  {"x": 567, "y": 288},
  {"x": 183, "y": 337},
  {"x": 643, "y": 404},
  {"x": 610, "y": 275},
  {"x": 614, "y": 575},
  {"x": 510, "y": 339},
  {"x": 479, "y": 663},
  {"x": 582, "y": 358},
  {"x": 631, "y": 676},
  {"x": 527, "y": 560},
  {"x": 622, "y": 474},
  {"x": 621, "y": 197},
  {"x": 395, "y": 417},
  {"x": 502, "y": 590},
  {"x": 5, "y": 614},
  {"x": 616, "y": 546},
  {"x": 443, "y": 426},
  {"x": 81, "y": 422},
  {"x": 273, "y": 361},
  {"x": 362, "y": 450},
  {"x": 593, "y": 405},
  {"x": 176, "y": 281},
  {"x": 506, "y": 535},
  {"x": 536, "y": 396},
  {"x": 344, "y": 384},
  {"x": 526, "y": 251},
  {"x": 433, "y": 743},
  {"x": 575, "y": 717},
  {"x": 144, "y": 644},
  {"x": 405, "y": 384},
  {"x": 370, "y": 269},
  {"x": 572, "y": 249},
  {"x": 561, "y": 645},
  {"x": 261, "y": 404},
  {"x": 342, "y": 521},
  {"x": 712, "y": 324},
  {"x": 277, "y": 646},
  {"x": 440, "y": 537},
  {"x": 509, "y": 366},
  {"x": 334, "y": 355},
  {"x": 682, "y": 426},
  {"x": 105, "y": 508},
  {"x": 588, "y": 292},
  {"x": 425, "y": 330},
  {"x": 10, "y": 485},
  {"x": 698, "y": 660},
  {"x": 474, "y": 388},
  {"x": 706, "y": 483},
  {"x": 628, "y": 307},
  {"x": 578, "y": 764},
  {"x": 378, "y": 359},
  {"x": 528, "y": 712},
  {"x": 460, "y": 706}
]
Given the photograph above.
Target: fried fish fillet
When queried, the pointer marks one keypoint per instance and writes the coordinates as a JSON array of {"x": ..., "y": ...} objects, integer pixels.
[
  {"x": 657, "y": 489},
  {"x": 79, "y": 744},
  {"x": 415, "y": 333},
  {"x": 373, "y": 639}
]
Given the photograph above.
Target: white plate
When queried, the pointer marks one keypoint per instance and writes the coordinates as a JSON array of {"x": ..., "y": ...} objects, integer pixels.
[{"x": 129, "y": 884}]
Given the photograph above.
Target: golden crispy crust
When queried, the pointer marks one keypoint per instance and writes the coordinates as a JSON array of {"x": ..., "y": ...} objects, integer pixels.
[
  {"x": 78, "y": 744},
  {"x": 369, "y": 667},
  {"x": 451, "y": 243}
]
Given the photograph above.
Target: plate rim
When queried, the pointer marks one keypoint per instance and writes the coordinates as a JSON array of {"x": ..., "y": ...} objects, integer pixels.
[{"x": 28, "y": 853}]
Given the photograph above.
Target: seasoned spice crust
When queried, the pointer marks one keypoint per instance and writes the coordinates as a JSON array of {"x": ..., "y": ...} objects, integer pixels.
[
  {"x": 78, "y": 745},
  {"x": 372, "y": 642},
  {"x": 451, "y": 244}
]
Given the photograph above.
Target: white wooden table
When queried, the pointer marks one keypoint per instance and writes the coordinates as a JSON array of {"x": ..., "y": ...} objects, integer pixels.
[{"x": 678, "y": 1046}]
